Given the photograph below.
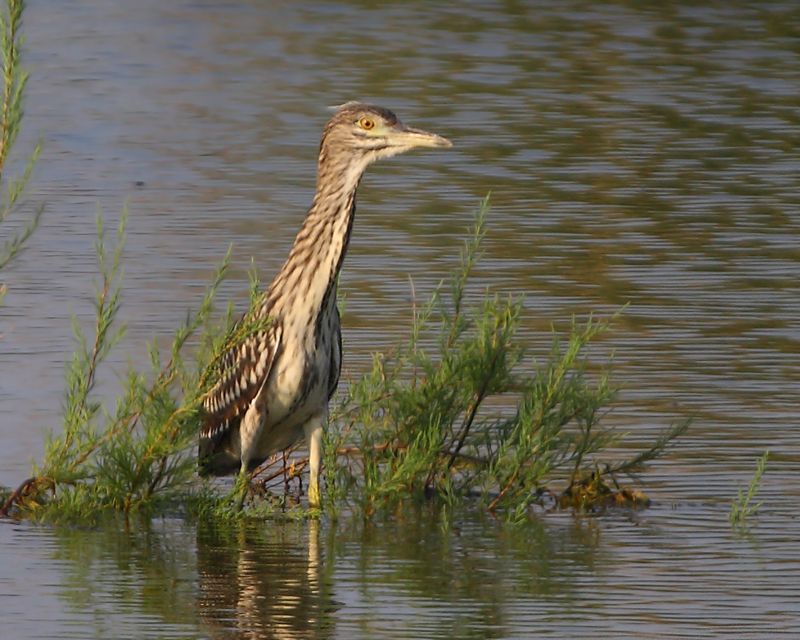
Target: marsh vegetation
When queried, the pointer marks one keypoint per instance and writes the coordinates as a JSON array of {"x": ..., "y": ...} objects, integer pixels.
[{"x": 420, "y": 424}]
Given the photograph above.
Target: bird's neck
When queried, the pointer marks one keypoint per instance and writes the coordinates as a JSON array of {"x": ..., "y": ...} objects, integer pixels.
[{"x": 307, "y": 281}]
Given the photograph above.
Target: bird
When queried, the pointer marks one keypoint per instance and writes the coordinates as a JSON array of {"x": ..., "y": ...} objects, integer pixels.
[{"x": 273, "y": 388}]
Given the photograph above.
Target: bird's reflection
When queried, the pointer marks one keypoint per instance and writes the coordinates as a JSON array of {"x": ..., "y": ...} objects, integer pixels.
[{"x": 258, "y": 581}]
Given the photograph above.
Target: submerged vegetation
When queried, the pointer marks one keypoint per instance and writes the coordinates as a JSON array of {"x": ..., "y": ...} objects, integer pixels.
[{"x": 423, "y": 422}]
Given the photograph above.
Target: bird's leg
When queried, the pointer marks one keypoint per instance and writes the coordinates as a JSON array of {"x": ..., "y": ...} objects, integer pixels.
[
  {"x": 249, "y": 431},
  {"x": 285, "y": 474},
  {"x": 313, "y": 432},
  {"x": 243, "y": 485}
]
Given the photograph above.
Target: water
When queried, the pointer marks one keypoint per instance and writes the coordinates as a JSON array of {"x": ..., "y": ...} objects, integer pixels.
[{"x": 637, "y": 153}]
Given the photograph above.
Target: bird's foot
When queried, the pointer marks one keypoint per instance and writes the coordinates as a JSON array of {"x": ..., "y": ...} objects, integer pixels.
[
  {"x": 314, "y": 500},
  {"x": 241, "y": 489}
]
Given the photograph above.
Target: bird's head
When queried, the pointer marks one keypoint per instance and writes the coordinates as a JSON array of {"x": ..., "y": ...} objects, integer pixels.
[{"x": 360, "y": 134}]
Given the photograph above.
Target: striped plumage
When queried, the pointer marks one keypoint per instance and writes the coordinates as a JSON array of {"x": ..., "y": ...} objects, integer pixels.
[{"x": 275, "y": 387}]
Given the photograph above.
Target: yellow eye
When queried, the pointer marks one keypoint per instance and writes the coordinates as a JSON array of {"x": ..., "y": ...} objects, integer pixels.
[{"x": 366, "y": 123}]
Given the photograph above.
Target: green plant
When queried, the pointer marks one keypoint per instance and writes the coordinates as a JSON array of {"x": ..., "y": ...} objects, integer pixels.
[
  {"x": 125, "y": 458},
  {"x": 742, "y": 507},
  {"x": 424, "y": 420},
  {"x": 430, "y": 419},
  {"x": 14, "y": 81}
]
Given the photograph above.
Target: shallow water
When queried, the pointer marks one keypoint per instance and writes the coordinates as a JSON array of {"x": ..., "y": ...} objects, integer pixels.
[{"x": 636, "y": 153}]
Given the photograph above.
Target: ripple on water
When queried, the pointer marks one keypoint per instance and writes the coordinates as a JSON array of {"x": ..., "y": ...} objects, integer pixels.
[{"x": 636, "y": 154}]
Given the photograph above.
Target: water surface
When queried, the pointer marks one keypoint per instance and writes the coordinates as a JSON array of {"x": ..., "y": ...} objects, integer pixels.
[{"x": 636, "y": 153}]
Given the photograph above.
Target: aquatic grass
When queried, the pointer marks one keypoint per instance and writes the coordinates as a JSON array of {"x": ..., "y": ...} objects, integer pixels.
[
  {"x": 418, "y": 424},
  {"x": 743, "y": 507},
  {"x": 11, "y": 111},
  {"x": 137, "y": 453},
  {"x": 422, "y": 423}
]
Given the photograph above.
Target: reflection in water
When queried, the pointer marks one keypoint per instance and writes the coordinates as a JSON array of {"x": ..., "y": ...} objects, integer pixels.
[
  {"x": 115, "y": 582},
  {"x": 272, "y": 580},
  {"x": 638, "y": 152},
  {"x": 262, "y": 580},
  {"x": 458, "y": 575},
  {"x": 419, "y": 573}
]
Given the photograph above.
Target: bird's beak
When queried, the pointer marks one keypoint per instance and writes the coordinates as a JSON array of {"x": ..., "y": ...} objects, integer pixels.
[{"x": 404, "y": 136}]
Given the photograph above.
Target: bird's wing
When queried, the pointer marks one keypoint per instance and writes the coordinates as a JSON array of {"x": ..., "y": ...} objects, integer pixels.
[{"x": 244, "y": 370}]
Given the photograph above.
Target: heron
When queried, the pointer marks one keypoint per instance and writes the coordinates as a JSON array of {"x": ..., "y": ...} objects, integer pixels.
[{"x": 273, "y": 388}]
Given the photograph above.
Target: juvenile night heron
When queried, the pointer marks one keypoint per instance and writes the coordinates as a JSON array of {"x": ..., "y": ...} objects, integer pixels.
[{"x": 275, "y": 387}]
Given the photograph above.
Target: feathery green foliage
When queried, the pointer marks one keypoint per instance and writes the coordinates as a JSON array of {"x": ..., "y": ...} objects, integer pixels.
[
  {"x": 138, "y": 453},
  {"x": 742, "y": 508},
  {"x": 422, "y": 422},
  {"x": 14, "y": 81}
]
